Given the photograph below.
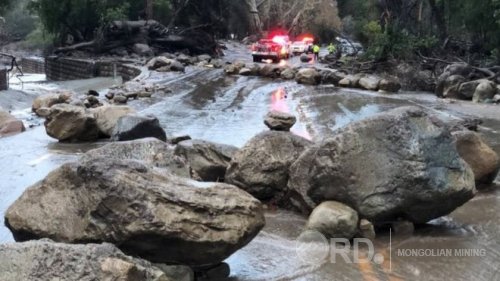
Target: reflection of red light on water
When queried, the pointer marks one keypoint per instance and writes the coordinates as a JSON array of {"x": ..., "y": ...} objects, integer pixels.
[
  {"x": 278, "y": 103},
  {"x": 278, "y": 100}
]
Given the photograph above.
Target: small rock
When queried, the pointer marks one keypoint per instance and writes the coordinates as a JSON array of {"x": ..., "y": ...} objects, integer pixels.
[
  {"x": 132, "y": 127},
  {"x": 245, "y": 71},
  {"x": 305, "y": 58},
  {"x": 93, "y": 93},
  {"x": 496, "y": 99},
  {"x": 288, "y": 74},
  {"x": 370, "y": 83},
  {"x": 279, "y": 121},
  {"x": 177, "y": 66},
  {"x": 308, "y": 76},
  {"x": 366, "y": 229},
  {"x": 93, "y": 100},
  {"x": 178, "y": 139},
  {"x": 144, "y": 94},
  {"x": 110, "y": 95},
  {"x": 389, "y": 85},
  {"x": 9, "y": 124},
  {"x": 133, "y": 95},
  {"x": 142, "y": 50},
  {"x": 334, "y": 220},
  {"x": 120, "y": 99},
  {"x": 204, "y": 57}
]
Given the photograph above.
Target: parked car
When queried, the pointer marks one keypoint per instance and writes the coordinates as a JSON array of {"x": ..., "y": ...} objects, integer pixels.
[
  {"x": 349, "y": 48},
  {"x": 275, "y": 49}
]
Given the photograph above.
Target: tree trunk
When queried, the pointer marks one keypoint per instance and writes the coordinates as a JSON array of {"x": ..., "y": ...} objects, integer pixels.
[
  {"x": 438, "y": 14},
  {"x": 254, "y": 18},
  {"x": 148, "y": 7}
]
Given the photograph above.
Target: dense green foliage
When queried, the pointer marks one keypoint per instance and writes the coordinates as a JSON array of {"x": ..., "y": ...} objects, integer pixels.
[{"x": 401, "y": 29}]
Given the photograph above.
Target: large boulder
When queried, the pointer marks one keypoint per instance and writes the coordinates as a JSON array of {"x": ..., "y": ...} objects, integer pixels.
[
  {"x": 485, "y": 91},
  {"x": 288, "y": 74},
  {"x": 143, "y": 210},
  {"x": 451, "y": 87},
  {"x": 389, "y": 85},
  {"x": 48, "y": 100},
  {"x": 351, "y": 81},
  {"x": 308, "y": 76},
  {"x": 9, "y": 124},
  {"x": 481, "y": 158},
  {"x": 208, "y": 160},
  {"x": 132, "y": 127},
  {"x": 468, "y": 89},
  {"x": 334, "y": 220},
  {"x": 305, "y": 58},
  {"x": 142, "y": 50},
  {"x": 398, "y": 164},
  {"x": 107, "y": 117},
  {"x": 370, "y": 82},
  {"x": 261, "y": 166},
  {"x": 271, "y": 70},
  {"x": 331, "y": 76},
  {"x": 44, "y": 260},
  {"x": 164, "y": 64},
  {"x": 460, "y": 69},
  {"x": 71, "y": 123},
  {"x": 149, "y": 150},
  {"x": 279, "y": 121}
]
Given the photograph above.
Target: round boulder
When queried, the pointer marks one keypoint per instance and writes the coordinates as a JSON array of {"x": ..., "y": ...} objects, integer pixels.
[
  {"x": 398, "y": 164},
  {"x": 483, "y": 160},
  {"x": 279, "y": 121},
  {"x": 308, "y": 76},
  {"x": 9, "y": 124},
  {"x": 71, "y": 123},
  {"x": 389, "y": 85},
  {"x": 261, "y": 166},
  {"x": 133, "y": 127},
  {"x": 334, "y": 220},
  {"x": 107, "y": 117},
  {"x": 485, "y": 91}
]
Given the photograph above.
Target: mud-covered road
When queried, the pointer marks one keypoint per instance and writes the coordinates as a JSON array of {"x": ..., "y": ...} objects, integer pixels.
[{"x": 207, "y": 104}]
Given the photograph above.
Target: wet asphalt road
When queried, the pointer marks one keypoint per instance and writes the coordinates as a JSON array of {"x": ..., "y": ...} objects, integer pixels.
[{"x": 206, "y": 104}]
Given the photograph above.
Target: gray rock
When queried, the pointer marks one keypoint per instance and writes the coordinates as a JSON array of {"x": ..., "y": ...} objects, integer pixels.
[
  {"x": 389, "y": 85},
  {"x": 485, "y": 91},
  {"x": 401, "y": 228},
  {"x": 142, "y": 50},
  {"x": 351, "y": 81},
  {"x": 334, "y": 220},
  {"x": 468, "y": 89},
  {"x": 120, "y": 99},
  {"x": 44, "y": 260},
  {"x": 149, "y": 150},
  {"x": 51, "y": 99},
  {"x": 132, "y": 127},
  {"x": 398, "y": 164},
  {"x": 288, "y": 74},
  {"x": 331, "y": 76},
  {"x": 366, "y": 229},
  {"x": 271, "y": 70},
  {"x": 453, "y": 69},
  {"x": 143, "y": 210},
  {"x": 451, "y": 87},
  {"x": 496, "y": 98},
  {"x": 308, "y": 76},
  {"x": 261, "y": 166},
  {"x": 204, "y": 57},
  {"x": 107, "y": 117},
  {"x": 9, "y": 124},
  {"x": 245, "y": 71},
  {"x": 208, "y": 160},
  {"x": 71, "y": 123},
  {"x": 370, "y": 82},
  {"x": 279, "y": 121},
  {"x": 483, "y": 160},
  {"x": 305, "y": 58}
]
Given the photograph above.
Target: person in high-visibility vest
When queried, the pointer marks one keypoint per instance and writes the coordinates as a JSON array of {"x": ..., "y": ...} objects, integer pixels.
[
  {"x": 316, "y": 49},
  {"x": 331, "y": 49}
]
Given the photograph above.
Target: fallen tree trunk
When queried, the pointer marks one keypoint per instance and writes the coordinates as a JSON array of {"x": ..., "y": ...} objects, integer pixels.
[{"x": 127, "y": 33}]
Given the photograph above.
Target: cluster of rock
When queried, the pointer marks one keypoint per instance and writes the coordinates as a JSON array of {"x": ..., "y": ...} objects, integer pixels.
[
  {"x": 400, "y": 167},
  {"x": 315, "y": 76},
  {"x": 463, "y": 82},
  {"x": 10, "y": 125},
  {"x": 172, "y": 62},
  {"x": 133, "y": 90},
  {"x": 138, "y": 197}
]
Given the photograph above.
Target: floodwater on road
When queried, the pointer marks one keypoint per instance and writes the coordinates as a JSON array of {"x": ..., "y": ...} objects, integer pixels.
[{"x": 206, "y": 104}]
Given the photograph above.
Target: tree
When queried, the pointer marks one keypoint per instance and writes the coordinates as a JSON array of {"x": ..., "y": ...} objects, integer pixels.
[
  {"x": 4, "y": 5},
  {"x": 254, "y": 19}
]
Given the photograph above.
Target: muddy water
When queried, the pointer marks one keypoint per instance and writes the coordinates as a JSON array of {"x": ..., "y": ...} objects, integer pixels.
[{"x": 208, "y": 105}]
